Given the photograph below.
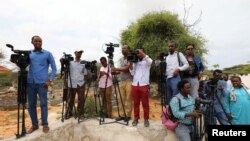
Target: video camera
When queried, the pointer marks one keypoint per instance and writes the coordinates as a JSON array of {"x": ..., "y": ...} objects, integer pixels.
[
  {"x": 90, "y": 65},
  {"x": 163, "y": 55},
  {"x": 67, "y": 58},
  {"x": 20, "y": 58},
  {"x": 110, "y": 49},
  {"x": 132, "y": 56}
]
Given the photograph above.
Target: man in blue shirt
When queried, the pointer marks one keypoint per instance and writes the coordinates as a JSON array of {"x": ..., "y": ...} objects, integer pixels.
[
  {"x": 38, "y": 82},
  {"x": 215, "y": 90},
  {"x": 184, "y": 110}
]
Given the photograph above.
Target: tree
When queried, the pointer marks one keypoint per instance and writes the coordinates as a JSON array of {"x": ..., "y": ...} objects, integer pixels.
[{"x": 154, "y": 29}]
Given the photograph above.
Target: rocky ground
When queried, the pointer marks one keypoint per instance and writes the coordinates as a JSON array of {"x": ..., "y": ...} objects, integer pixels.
[{"x": 8, "y": 120}]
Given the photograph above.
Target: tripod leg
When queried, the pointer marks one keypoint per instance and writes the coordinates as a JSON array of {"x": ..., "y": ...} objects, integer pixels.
[
  {"x": 23, "y": 121},
  {"x": 18, "y": 120},
  {"x": 81, "y": 111}
]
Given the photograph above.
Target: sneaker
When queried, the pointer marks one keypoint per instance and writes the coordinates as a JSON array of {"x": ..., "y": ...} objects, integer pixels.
[
  {"x": 146, "y": 123},
  {"x": 135, "y": 122}
]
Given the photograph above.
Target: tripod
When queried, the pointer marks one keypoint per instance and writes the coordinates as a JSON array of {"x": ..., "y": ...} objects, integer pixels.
[
  {"x": 66, "y": 91},
  {"x": 162, "y": 83},
  {"x": 117, "y": 92},
  {"x": 21, "y": 99},
  {"x": 92, "y": 83},
  {"x": 200, "y": 124},
  {"x": 21, "y": 59}
]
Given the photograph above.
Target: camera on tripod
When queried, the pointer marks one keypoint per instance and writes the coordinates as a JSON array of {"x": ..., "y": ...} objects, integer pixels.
[
  {"x": 20, "y": 58},
  {"x": 67, "y": 58},
  {"x": 110, "y": 49},
  {"x": 90, "y": 65},
  {"x": 163, "y": 55},
  {"x": 200, "y": 101}
]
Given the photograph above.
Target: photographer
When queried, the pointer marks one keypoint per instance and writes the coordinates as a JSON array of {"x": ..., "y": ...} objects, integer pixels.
[
  {"x": 184, "y": 110},
  {"x": 38, "y": 82},
  {"x": 140, "y": 85},
  {"x": 125, "y": 85},
  {"x": 77, "y": 79},
  {"x": 215, "y": 89}
]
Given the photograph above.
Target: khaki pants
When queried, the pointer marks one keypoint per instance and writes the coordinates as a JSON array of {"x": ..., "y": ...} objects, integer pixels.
[
  {"x": 126, "y": 96},
  {"x": 107, "y": 100}
]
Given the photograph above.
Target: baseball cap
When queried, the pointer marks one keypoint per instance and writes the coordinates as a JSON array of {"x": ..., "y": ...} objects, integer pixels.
[{"x": 79, "y": 50}]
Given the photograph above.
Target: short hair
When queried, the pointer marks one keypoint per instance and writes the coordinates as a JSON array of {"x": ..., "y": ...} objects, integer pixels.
[
  {"x": 33, "y": 37},
  {"x": 235, "y": 77},
  {"x": 190, "y": 44},
  {"x": 181, "y": 84},
  {"x": 126, "y": 45},
  {"x": 103, "y": 58},
  {"x": 217, "y": 71},
  {"x": 173, "y": 42},
  {"x": 142, "y": 48}
]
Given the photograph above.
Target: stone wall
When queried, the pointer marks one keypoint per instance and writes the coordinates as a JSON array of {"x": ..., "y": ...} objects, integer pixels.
[{"x": 90, "y": 130}]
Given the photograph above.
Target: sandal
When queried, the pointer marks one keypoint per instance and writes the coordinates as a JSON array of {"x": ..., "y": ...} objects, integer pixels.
[
  {"x": 32, "y": 129},
  {"x": 45, "y": 128}
]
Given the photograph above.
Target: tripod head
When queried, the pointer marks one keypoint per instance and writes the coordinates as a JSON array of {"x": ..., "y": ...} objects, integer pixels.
[
  {"x": 110, "y": 49},
  {"x": 92, "y": 67},
  {"x": 65, "y": 62},
  {"x": 20, "y": 57}
]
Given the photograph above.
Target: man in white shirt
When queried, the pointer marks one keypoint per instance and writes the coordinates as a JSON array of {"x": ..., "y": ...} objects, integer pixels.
[
  {"x": 76, "y": 84},
  {"x": 176, "y": 62},
  {"x": 140, "y": 85}
]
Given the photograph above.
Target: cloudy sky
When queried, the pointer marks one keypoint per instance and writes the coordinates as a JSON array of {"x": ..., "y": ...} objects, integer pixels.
[{"x": 66, "y": 25}]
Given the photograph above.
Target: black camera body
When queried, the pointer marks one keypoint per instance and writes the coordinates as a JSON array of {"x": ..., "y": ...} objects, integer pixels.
[
  {"x": 110, "y": 49},
  {"x": 20, "y": 58},
  {"x": 132, "y": 56},
  {"x": 163, "y": 55},
  {"x": 67, "y": 58},
  {"x": 90, "y": 65}
]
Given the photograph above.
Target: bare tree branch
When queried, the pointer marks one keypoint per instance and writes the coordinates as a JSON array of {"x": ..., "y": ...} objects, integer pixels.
[{"x": 186, "y": 16}]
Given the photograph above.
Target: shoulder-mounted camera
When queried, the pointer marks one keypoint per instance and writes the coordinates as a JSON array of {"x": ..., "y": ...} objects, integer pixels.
[{"x": 132, "y": 56}]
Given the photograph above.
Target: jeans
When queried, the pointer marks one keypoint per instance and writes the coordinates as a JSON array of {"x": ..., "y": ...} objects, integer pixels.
[
  {"x": 172, "y": 89},
  {"x": 194, "y": 82},
  {"x": 220, "y": 116},
  {"x": 32, "y": 91},
  {"x": 183, "y": 132}
]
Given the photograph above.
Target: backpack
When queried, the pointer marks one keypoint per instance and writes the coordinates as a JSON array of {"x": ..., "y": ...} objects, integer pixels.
[{"x": 167, "y": 117}]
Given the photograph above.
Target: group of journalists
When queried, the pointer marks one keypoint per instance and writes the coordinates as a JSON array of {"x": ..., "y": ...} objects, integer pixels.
[{"x": 227, "y": 104}]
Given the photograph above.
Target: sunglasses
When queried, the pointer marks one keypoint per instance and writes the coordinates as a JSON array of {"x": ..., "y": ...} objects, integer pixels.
[{"x": 190, "y": 48}]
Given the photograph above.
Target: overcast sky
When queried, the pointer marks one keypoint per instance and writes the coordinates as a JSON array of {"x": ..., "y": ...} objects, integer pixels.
[{"x": 66, "y": 25}]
